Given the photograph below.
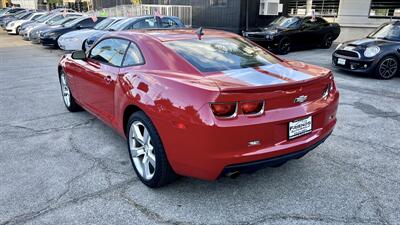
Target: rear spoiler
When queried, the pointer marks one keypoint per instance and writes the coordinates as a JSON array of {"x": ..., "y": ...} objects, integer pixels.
[{"x": 275, "y": 87}]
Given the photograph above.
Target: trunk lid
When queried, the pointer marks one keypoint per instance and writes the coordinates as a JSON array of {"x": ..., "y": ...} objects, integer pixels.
[{"x": 279, "y": 84}]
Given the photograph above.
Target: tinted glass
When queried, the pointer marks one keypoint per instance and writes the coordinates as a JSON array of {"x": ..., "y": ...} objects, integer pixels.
[
  {"x": 88, "y": 22},
  {"x": 120, "y": 24},
  {"x": 309, "y": 21},
  {"x": 286, "y": 22},
  {"x": 110, "y": 51},
  {"x": 22, "y": 15},
  {"x": 64, "y": 20},
  {"x": 73, "y": 22},
  {"x": 44, "y": 18},
  {"x": 320, "y": 20},
  {"x": 55, "y": 19},
  {"x": 17, "y": 10},
  {"x": 219, "y": 54},
  {"x": 145, "y": 24},
  {"x": 168, "y": 23},
  {"x": 133, "y": 56},
  {"x": 387, "y": 32},
  {"x": 35, "y": 17},
  {"x": 103, "y": 24}
]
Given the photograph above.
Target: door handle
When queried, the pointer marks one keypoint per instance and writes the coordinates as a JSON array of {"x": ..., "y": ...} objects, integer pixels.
[{"x": 108, "y": 79}]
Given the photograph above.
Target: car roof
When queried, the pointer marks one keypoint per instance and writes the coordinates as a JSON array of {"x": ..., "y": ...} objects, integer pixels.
[
  {"x": 164, "y": 35},
  {"x": 148, "y": 16}
]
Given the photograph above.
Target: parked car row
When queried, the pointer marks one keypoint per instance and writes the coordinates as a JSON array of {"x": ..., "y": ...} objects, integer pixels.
[
  {"x": 70, "y": 30},
  {"x": 377, "y": 54}
]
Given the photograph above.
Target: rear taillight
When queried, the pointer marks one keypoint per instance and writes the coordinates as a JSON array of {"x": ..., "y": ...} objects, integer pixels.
[
  {"x": 252, "y": 107},
  {"x": 224, "y": 110},
  {"x": 327, "y": 90}
]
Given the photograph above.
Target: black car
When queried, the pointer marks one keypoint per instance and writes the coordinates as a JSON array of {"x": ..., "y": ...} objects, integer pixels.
[
  {"x": 287, "y": 33},
  {"x": 50, "y": 37},
  {"x": 378, "y": 54}
]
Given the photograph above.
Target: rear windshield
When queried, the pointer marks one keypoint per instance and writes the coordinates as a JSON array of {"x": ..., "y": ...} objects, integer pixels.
[{"x": 220, "y": 54}]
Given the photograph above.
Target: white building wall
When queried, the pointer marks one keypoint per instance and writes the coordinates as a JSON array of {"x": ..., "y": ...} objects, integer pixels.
[
  {"x": 354, "y": 20},
  {"x": 356, "y": 13},
  {"x": 28, "y": 4}
]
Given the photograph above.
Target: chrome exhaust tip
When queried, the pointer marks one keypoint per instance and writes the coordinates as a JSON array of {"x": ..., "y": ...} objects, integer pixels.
[{"x": 233, "y": 174}]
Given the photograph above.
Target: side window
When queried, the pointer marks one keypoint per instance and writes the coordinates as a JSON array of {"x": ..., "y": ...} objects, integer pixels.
[
  {"x": 309, "y": 22},
  {"x": 168, "y": 23},
  {"x": 110, "y": 51},
  {"x": 145, "y": 23},
  {"x": 36, "y": 16},
  {"x": 86, "y": 23},
  {"x": 133, "y": 56},
  {"x": 320, "y": 20}
]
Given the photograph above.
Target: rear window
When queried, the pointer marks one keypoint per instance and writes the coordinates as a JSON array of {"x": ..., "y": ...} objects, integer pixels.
[{"x": 220, "y": 54}]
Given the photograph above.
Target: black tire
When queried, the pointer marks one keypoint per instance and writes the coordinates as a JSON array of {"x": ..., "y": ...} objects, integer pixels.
[
  {"x": 17, "y": 30},
  {"x": 163, "y": 173},
  {"x": 284, "y": 46},
  {"x": 72, "y": 106},
  {"x": 387, "y": 68},
  {"x": 327, "y": 41}
]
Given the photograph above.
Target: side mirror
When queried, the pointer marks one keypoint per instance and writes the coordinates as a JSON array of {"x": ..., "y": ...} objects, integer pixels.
[
  {"x": 80, "y": 55},
  {"x": 79, "y": 27}
]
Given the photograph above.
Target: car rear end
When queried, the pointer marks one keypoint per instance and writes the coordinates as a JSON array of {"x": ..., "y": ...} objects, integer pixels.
[
  {"x": 261, "y": 116},
  {"x": 282, "y": 122},
  {"x": 247, "y": 127}
]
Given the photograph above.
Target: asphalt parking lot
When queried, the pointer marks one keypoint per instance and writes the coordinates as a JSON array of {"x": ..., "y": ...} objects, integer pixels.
[{"x": 62, "y": 168}]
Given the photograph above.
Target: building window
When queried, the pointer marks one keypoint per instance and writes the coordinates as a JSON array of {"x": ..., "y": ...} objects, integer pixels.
[
  {"x": 297, "y": 7},
  {"x": 218, "y": 2},
  {"x": 385, "y": 8},
  {"x": 321, "y": 7},
  {"x": 326, "y": 7}
]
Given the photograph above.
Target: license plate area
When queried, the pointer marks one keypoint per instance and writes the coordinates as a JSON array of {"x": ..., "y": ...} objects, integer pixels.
[
  {"x": 300, "y": 127},
  {"x": 341, "y": 61}
]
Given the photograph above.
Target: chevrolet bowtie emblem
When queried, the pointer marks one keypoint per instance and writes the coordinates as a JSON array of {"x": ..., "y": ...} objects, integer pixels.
[{"x": 301, "y": 99}]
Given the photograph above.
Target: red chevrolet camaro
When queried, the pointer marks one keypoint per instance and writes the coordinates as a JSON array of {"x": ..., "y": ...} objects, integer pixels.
[{"x": 200, "y": 106}]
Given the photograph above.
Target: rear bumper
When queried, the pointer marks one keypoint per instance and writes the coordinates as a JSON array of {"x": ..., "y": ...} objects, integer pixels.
[
  {"x": 256, "y": 165},
  {"x": 207, "y": 151}
]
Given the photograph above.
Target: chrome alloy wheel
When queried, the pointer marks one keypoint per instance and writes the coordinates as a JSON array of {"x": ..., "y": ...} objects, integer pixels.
[
  {"x": 142, "y": 150},
  {"x": 388, "y": 68},
  {"x": 66, "y": 93}
]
